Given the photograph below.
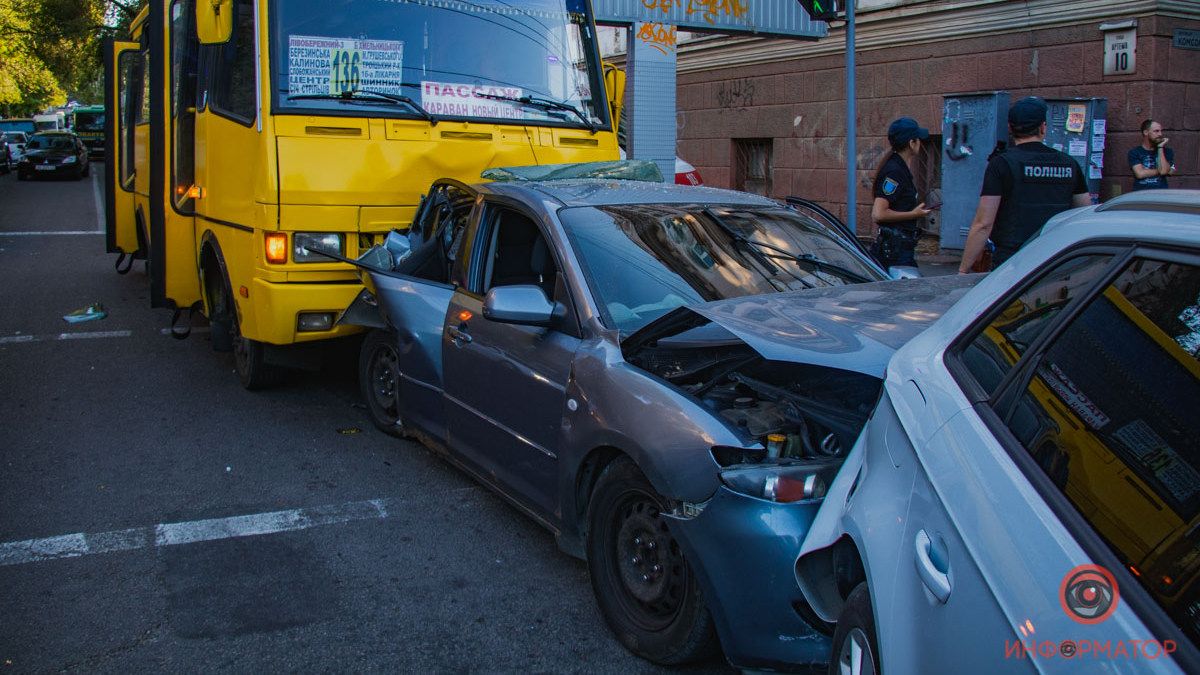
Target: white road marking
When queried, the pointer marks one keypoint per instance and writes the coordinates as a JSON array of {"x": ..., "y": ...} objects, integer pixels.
[
  {"x": 214, "y": 529},
  {"x": 95, "y": 335},
  {"x": 92, "y": 335},
  {"x": 99, "y": 201},
  {"x": 53, "y": 233}
]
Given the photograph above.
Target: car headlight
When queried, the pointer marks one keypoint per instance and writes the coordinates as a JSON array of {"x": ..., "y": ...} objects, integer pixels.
[
  {"x": 315, "y": 241},
  {"x": 783, "y": 482},
  {"x": 71, "y": 159}
]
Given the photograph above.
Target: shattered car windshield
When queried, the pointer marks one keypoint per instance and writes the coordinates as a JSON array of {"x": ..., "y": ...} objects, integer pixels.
[{"x": 643, "y": 260}]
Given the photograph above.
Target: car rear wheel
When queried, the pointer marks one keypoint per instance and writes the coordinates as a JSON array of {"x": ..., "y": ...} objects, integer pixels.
[
  {"x": 646, "y": 591},
  {"x": 379, "y": 380},
  {"x": 855, "y": 648}
]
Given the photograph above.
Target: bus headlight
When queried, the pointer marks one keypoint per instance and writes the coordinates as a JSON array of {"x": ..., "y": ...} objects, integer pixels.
[{"x": 315, "y": 241}]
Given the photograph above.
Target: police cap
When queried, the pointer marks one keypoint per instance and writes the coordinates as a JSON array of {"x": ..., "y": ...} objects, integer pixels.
[
  {"x": 905, "y": 129},
  {"x": 1027, "y": 113}
]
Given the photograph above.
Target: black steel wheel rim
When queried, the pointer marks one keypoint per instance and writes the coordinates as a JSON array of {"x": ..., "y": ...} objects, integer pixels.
[
  {"x": 382, "y": 373},
  {"x": 650, "y": 573}
]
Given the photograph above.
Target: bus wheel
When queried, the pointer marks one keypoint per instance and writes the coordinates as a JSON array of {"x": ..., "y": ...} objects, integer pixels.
[{"x": 249, "y": 357}]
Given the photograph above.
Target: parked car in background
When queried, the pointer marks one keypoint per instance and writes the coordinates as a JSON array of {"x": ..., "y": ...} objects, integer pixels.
[
  {"x": 54, "y": 154},
  {"x": 15, "y": 141},
  {"x": 685, "y": 173},
  {"x": 623, "y": 362},
  {"x": 1027, "y": 490}
]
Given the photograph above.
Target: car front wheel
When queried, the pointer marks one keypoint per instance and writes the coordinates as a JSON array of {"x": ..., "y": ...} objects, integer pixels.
[
  {"x": 855, "y": 648},
  {"x": 379, "y": 379},
  {"x": 646, "y": 591}
]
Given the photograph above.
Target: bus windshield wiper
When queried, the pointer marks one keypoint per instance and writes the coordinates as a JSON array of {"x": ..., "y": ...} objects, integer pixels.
[
  {"x": 369, "y": 95},
  {"x": 544, "y": 104},
  {"x": 784, "y": 254}
]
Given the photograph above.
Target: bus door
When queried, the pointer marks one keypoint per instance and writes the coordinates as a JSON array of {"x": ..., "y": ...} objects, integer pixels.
[
  {"x": 174, "y": 276},
  {"x": 120, "y": 225}
]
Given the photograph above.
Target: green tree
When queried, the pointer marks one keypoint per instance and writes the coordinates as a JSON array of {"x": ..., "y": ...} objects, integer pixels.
[{"x": 51, "y": 49}]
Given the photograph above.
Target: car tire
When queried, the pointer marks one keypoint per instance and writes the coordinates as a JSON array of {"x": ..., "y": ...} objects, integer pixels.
[
  {"x": 21, "y": 175},
  {"x": 855, "y": 647},
  {"x": 87, "y": 170},
  {"x": 646, "y": 590},
  {"x": 379, "y": 381}
]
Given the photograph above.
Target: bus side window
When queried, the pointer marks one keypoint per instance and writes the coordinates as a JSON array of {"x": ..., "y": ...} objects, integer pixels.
[{"x": 232, "y": 88}]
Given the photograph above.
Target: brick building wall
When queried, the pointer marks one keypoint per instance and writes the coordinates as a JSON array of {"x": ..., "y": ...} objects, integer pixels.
[{"x": 773, "y": 90}]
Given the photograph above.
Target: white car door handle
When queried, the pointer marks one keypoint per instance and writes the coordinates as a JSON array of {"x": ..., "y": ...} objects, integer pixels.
[{"x": 937, "y": 581}]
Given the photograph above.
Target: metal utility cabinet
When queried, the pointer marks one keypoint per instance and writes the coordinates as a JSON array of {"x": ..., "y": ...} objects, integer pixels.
[
  {"x": 972, "y": 125},
  {"x": 1077, "y": 126}
]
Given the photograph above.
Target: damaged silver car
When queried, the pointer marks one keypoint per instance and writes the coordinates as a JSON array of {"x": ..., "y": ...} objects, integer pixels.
[{"x": 664, "y": 376}]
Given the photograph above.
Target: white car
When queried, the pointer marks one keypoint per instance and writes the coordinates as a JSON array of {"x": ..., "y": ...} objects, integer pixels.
[
  {"x": 1026, "y": 495},
  {"x": 14, "y": 148}
]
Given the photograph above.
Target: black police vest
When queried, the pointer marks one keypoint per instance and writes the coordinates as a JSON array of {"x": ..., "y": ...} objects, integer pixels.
[{"x": 1043, "y": 184}]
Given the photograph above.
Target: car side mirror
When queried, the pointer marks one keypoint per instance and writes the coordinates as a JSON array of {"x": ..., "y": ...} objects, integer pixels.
[{"x": 523, "y": 305}]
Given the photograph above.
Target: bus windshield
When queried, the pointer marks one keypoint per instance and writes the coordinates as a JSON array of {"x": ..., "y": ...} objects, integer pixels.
[
  {"x": 89, "y": 121},
  {"x": 528, "y": 62}
]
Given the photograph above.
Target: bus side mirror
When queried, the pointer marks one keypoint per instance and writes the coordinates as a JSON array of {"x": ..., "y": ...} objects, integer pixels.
[{"x": 214, "y": 21}]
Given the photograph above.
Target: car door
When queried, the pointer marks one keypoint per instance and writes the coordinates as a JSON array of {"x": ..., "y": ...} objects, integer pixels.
[
  {"x": 505, "y": 384},
  {"x": 415, "y": 299},
  {"x": 1057, "y": 518}
]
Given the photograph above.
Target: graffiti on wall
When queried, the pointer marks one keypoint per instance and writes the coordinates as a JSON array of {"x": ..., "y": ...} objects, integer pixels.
[
  {"x": 660, "y": 36},
  {"x": 709, "y": 10},
  {"x": 736, "y": 93}
]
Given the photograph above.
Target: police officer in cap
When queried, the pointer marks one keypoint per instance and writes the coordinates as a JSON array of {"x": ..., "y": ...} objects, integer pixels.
[
  {"x": 895, "y": 209},
  {"x": 1023, "y": 187}
]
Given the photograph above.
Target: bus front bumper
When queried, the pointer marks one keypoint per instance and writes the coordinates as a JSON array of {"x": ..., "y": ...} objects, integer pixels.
[{"x": 273, "y": 311}]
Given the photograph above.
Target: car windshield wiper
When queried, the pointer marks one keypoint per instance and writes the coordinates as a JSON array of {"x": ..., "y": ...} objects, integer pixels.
[
  {"x": 784, "y": 254},
  {"x": 544, "y": 104},
  {"x": 754, "y": 252},
  {"x": 368, "y": 95}
]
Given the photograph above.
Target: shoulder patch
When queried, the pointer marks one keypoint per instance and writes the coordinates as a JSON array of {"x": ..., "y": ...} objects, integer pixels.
[{"x": 889, "y": 186}]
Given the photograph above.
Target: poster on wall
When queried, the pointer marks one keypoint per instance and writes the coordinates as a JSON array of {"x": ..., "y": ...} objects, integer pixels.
[{"x": 1076, "y": 118}]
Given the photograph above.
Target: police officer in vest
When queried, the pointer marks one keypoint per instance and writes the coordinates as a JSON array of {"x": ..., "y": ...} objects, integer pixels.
[
  {"x": 895, "y": 208},
  {"x": 1023, "y": 187}
]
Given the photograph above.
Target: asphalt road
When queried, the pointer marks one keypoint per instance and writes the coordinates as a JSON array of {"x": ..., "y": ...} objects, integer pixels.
[{"x": 154, "y": 516}]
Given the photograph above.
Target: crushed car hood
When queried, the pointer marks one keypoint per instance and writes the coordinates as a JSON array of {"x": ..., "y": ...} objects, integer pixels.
[{"x": 856, "y": 327}]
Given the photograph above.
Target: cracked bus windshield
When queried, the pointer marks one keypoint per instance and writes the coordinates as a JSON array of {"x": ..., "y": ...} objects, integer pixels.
[{"x": 453, "y": 59}]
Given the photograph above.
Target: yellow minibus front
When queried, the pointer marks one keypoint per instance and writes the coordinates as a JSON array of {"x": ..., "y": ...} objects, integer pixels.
[{"x": 281, "y": 128}]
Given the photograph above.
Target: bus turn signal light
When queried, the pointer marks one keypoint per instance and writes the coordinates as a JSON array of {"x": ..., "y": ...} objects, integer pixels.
[{"x": 277, "y": 248}]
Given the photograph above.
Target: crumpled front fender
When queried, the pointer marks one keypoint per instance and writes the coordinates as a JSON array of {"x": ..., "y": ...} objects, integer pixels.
[{"x": 743, "y": 551}]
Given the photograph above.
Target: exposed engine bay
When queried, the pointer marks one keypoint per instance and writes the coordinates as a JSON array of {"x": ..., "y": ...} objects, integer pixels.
[{"x": 795, "y": 410}]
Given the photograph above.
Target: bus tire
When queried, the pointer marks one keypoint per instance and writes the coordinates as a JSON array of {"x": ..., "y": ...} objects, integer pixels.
[{"x": 249, "y": 357}]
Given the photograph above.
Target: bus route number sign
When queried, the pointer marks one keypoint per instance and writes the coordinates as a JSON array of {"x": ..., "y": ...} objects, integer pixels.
[{"x": 344, "y": 70}]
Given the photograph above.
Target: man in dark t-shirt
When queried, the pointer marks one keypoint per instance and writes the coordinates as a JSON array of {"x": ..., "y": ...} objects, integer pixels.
[
  {"x": 1023, "y": 187},
  {"x": 1152, "y": 161}
]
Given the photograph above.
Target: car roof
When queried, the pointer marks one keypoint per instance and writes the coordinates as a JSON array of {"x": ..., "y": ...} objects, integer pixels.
[
  {"x": 1161, "y": 215},
  {"x": 605, "y": 192}
]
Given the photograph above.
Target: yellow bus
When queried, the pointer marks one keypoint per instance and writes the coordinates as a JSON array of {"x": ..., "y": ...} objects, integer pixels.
[{"x": 246, "y": 134}]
